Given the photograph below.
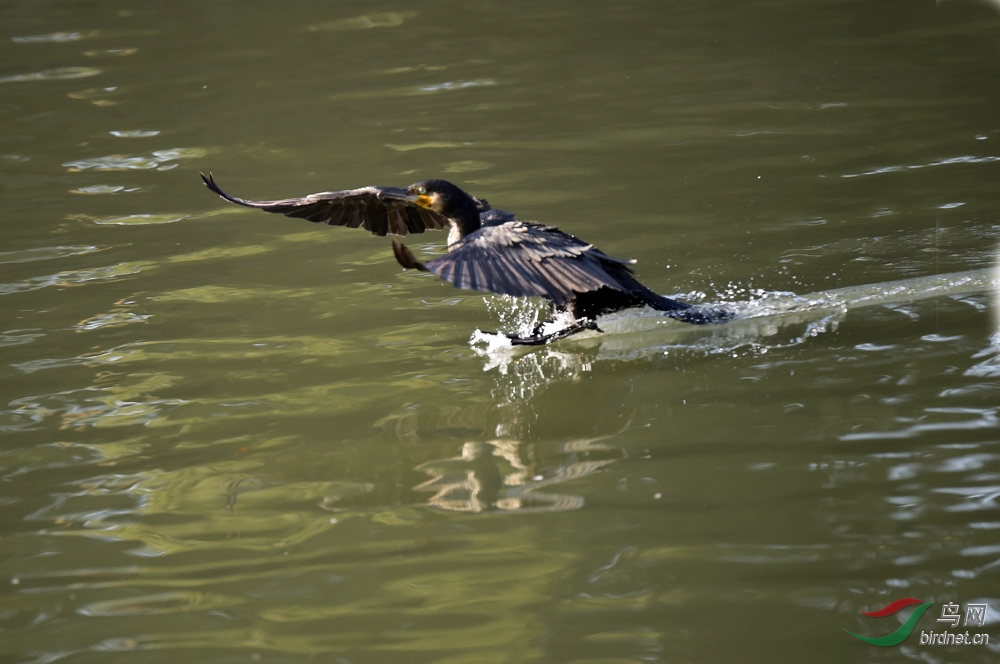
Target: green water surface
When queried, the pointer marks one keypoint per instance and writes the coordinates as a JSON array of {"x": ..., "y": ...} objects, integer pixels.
[{"x": 227, "y": 436}]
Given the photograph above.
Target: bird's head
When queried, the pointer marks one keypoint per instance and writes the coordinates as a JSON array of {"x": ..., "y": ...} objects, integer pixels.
[
  {"x": 446, "y": 199},
  {"x": 440, "y": 196}
]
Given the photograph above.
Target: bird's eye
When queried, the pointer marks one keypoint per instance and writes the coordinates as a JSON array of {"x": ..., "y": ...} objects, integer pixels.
[{"x": 421, "y": 191}]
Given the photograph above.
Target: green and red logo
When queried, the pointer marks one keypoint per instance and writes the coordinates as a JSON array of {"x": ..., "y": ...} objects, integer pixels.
[{"x": 898, "y": 636}]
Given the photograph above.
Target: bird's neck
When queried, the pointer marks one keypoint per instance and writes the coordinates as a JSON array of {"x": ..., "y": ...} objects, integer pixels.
[{"x": 466, "y": 221}]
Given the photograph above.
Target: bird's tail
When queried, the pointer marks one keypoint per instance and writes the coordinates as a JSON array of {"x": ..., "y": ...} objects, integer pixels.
[{"x": 688, "y": 313}]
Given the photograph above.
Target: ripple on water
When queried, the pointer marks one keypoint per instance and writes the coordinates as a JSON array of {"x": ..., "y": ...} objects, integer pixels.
[
  {"x": 163, "y": 512},
  {"x": 366, "y": 22},
  {"x": 111, "y": 52},
  {"x": 159, "y": 604},
  {"x": 141, "y": 219},
  {"x": 61, "y": 73},
  {"x": 963, "y": 159},
  {"x": 76, "y": 277},
  {"x": 218, "y": 294},
  {"x": 418, "y": 90},
  {"x": 44, "y": 253},
  {"x": 54, "y": 37},
  {"x": 971, "y": 498},
  {"x": 114, "y": 319},
  {"x": 197, "y": 350},
  {"x": 160, "y": 160},
  {"x": 988, "y": 365},
  {"x": 104, "y": 189},
  {"x": 936, "y": 420},
  {"x": 100, "y": 407},
  {"x": 468, "y": 166},
  {"x": 19, "y": 337},
  {"x": 455, "y": 85},
  {"x": 135, "y": 133}
]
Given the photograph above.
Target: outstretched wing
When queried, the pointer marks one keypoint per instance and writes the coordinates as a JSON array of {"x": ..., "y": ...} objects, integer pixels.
[
  {"x": 380, "y": 210},
  {"x": 526, "y": 259}
]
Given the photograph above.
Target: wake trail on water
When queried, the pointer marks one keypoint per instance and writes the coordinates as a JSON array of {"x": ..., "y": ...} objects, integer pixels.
[{"x": 755, "y": 320}]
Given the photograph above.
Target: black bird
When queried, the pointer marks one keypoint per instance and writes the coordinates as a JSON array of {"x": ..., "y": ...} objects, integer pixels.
[{"x": 490, "y": 250}]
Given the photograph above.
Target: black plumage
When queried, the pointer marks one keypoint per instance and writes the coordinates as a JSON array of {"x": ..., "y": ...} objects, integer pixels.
[
  {"x": 489, "y": 250},
  {"x": 380, "y": 210}
]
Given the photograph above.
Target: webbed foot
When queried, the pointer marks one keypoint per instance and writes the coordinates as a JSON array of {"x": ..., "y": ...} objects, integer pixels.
[{"x": 537, "y": 338}]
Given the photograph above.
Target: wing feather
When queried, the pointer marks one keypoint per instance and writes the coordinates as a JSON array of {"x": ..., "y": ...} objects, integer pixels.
[
  {"x": 378, "y": 219},
  {"x": 380, "y": 210},
  {"x": 353, "y": 216},
  {"x": 396, "y": 224},
  {"x": 413, "y": 220},
  {"x": 337, "y": 217},
  {"x": 527, "y": 259},
  {"x": 430, "y": 218}
]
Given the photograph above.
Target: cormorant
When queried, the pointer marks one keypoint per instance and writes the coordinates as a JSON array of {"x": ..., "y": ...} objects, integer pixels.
[{"x": 490, "y": 250}]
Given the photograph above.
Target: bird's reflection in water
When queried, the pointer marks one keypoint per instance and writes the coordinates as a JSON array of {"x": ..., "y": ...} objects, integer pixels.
[{"x": 501, "y": 475}]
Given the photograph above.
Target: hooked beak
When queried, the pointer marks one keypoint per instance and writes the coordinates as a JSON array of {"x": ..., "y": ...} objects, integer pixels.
[{"x": 421, "y": 200}]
